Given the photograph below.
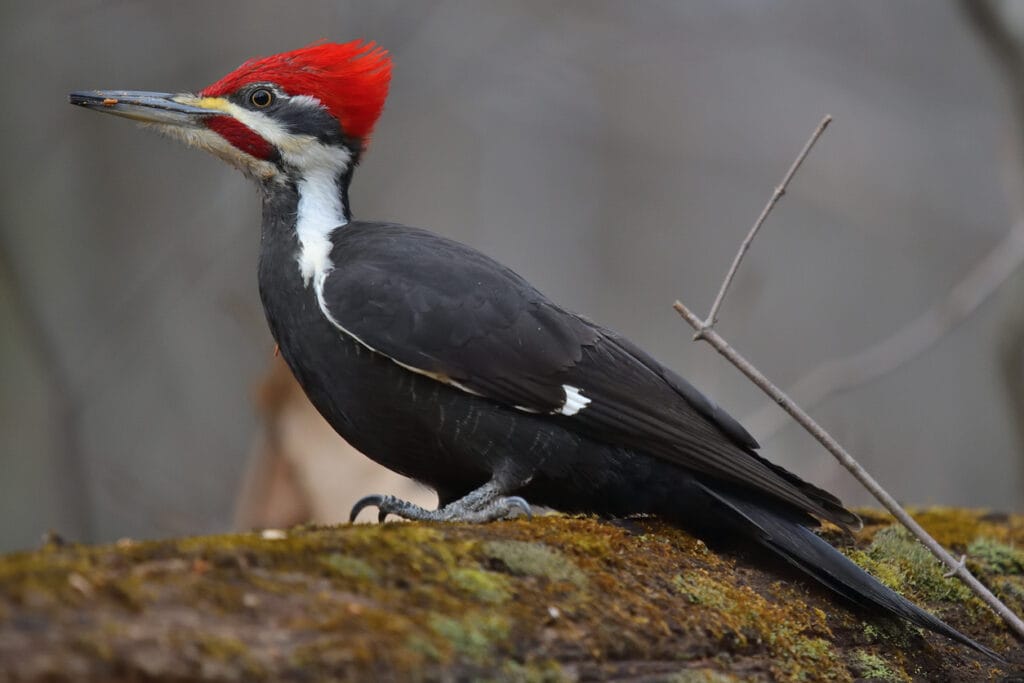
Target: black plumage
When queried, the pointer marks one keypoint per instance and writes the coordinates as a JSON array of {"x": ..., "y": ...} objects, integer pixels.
[
  {"x": 443, "y": 308},
  {"x": 445, "y": 366},
  {"x": 648, "y": 441}
]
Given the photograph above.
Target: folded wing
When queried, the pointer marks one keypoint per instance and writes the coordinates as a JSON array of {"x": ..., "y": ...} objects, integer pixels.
[{"x": 444, "y": 310}]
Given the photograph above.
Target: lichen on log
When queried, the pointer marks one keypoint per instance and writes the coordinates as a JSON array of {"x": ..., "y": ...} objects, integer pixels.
[{"x": 550, "y": 599}]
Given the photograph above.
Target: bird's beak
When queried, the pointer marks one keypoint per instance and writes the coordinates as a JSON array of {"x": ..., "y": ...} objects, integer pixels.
[{"x": 148, "y": 107}]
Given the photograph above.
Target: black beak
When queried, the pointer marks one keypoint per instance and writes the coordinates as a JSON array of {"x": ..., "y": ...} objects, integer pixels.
[{"x": 149, "y": 107}]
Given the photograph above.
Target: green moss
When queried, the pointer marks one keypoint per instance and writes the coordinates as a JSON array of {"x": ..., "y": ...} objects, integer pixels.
[
  {"x": 899, "y": 561},
  {"x": 1013, "y": 588},
  {"x": 484, "y": 586},
  {"x": 350, "y": 567},
  {"x": 535, "y": 559},
  {"x": 700, "y": 590},
  {"x": 745, "y": 621},
  {"x": 502, "y": 600},
  {"x": 998, "y": 558},
  {"x": 808, "y": 659},
  {"x": 956, "y": 527},
  {"x": 1009, "y": 589},
  {"x": 812, "y": 649},
  {"x": 875, "y": 668},
  {"x": 474, "y": 636},
  {"x": 892, "y": 632}
]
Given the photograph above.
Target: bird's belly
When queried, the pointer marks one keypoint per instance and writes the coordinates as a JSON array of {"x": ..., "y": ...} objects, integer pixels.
[
  {"x": 436, "y": 434},
  {"x": 387, "y": 413}
]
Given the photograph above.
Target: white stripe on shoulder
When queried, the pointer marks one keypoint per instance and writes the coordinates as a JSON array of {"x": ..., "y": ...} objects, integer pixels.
[
  {"x": 574, "y": 402},
  {"x": 318, "y": 287}
]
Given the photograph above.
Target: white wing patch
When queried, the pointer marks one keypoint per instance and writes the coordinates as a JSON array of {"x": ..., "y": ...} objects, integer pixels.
[{"x": 575, "y": 401}]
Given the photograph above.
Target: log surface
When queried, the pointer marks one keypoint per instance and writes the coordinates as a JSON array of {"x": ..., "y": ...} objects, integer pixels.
[{"x": 556, "y": 598}]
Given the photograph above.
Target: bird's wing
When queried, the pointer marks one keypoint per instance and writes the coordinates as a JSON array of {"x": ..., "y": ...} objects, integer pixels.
[{"x": 444, "y": 310}]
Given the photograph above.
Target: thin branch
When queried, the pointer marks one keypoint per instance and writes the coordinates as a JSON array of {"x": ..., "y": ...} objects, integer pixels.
[
  {"x": 780, "y": 190},
  {"x": 978, "y": 285},
  {"x": 703, "y": 330},
  {"x": 847, "y": 461},
  {"x": 910, "y": 341}
]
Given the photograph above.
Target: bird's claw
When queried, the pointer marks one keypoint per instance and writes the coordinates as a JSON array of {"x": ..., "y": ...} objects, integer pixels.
[
  {"x": 373, "y": 500},
  {"x": 514, "y": 502},
  {"x": 462, "y": 510}
]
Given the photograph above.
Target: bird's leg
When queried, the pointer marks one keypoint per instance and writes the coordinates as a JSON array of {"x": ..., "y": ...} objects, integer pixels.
[{"x": 485, "y": 504}]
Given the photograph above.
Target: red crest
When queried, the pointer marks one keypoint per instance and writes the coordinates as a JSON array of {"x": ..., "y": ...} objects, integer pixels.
[{"x": 350, "y": 79}]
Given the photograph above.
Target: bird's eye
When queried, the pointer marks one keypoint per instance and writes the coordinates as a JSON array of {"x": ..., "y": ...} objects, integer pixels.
[{"x": 261, "y": 98}]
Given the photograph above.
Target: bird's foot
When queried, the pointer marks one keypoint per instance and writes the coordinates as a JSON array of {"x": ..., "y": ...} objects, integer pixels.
[{"x": 469, "y": 508}]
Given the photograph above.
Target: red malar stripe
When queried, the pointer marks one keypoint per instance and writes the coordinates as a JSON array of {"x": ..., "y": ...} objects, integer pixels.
[{"x": 241, "y": 136}]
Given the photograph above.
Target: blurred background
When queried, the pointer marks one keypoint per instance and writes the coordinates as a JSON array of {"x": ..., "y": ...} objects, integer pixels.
[{"x": 613, "y": 153}]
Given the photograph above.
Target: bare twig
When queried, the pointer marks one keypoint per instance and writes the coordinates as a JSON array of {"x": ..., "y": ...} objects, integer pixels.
[
  {"x": 847, "y": 461},
  {"x": 703, "y": 330},
  {"x": 910, "y": 341},
  {"x": 978, "y": 285},
  {"x": 959, "y": 563},
  {"x": 780, "y": 190}
]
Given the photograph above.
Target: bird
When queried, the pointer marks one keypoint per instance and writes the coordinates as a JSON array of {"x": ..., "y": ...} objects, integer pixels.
[{"x": 446, "y": 366}]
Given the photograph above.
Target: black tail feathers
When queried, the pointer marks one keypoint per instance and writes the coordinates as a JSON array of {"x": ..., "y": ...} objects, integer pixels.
[{"x": 802, "y": 548}]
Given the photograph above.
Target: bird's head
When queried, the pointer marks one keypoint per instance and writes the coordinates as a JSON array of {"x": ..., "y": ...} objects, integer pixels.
[{"x": 289, "y": 116}]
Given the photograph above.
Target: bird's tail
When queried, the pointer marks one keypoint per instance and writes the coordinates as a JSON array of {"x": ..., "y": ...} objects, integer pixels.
[{"x": 802, "y": 548}]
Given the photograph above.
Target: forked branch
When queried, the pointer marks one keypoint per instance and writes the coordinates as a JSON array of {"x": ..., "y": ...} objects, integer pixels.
[
  {"x": 704, "y": 329},
  {"x": 780, "y": 190}
]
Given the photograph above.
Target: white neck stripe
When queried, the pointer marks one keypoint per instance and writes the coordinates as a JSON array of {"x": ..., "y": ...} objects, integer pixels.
[
  {"x": 319, "y": 167},
  {"x": 320, "y": 212}
]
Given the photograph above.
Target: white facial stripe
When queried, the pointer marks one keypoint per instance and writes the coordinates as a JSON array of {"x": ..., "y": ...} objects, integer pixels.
[
  {"x": 266, "y": 127},
  {"x": 294, "y": 148},
  {"x": 319, "y": 168},
  {"x": 575, "y": 401}
]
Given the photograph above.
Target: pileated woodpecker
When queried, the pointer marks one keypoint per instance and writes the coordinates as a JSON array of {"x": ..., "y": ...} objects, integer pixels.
[{"x": 445, "y": 366}]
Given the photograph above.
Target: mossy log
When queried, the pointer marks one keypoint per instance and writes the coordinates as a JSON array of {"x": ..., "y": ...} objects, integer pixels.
[{"x": 553, "y": 598}]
